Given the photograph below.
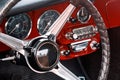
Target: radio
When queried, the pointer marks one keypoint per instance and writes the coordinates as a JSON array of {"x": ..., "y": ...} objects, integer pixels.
[
  {"x": 81, "y": 33},
  {"x": 79, "y": 46}
]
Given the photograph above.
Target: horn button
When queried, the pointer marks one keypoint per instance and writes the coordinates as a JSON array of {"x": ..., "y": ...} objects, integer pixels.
[{"x": 45, "y": 54}]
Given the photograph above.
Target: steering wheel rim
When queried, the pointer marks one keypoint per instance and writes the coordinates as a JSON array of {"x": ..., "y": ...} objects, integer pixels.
[
  {"x": 100, "y": 25},
  {"x": 104, "y": 40}
]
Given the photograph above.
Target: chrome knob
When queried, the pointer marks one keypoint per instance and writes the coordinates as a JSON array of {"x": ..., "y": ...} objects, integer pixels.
[{"x": 71, "y": 35}]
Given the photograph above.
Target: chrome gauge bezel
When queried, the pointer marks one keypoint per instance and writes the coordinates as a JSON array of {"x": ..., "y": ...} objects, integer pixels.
[
  {"x": 78, "y": 17},
  {"x": 40, "y": 18},
  {"x": 30, "y": 27}
]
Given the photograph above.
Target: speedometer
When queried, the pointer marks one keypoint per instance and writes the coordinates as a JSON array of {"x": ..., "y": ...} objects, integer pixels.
[
  {"x": 18, "y": 26},
  {"x": 46, "y": 20}
]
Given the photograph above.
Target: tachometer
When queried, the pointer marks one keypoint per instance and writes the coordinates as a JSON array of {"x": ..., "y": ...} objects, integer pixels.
[
  {"x": 18, "y": 26},
  {"x": 46, "y": 20}
]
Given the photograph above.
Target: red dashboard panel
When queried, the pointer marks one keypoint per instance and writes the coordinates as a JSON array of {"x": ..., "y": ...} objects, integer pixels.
[{"x": 63, "y": 42}]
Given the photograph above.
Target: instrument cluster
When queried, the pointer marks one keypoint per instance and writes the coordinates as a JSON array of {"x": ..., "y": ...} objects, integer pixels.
[
  {"x": 78, "y": 37},
  {"x": 20, "y": 25}
]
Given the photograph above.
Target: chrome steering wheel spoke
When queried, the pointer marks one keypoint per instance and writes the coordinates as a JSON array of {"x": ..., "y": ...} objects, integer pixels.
[
  {"x": 64, "y": 73},
  {"x": 14, "y": 43}
]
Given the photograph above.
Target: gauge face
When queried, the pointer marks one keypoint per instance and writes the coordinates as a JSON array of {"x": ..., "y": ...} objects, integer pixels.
[
  {"x": 83, "y": 15},
  {"x": 18, "y": 26},
  {"x": 46, "y": 20}
]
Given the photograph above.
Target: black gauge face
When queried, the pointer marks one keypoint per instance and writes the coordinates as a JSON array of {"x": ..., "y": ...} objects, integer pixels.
[
  {"x": 19, "y": 26},
  {"x": 83, "y": 15},
  {"x": 46, "y": 20}
]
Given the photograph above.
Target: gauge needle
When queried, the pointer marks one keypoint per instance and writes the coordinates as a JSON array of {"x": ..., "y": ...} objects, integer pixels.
[
  {"x": 58, "y": 25},
  {"x": 82, "y": 12},
  {"x": 48, "y": 24},
  {"x": 15, "y": 28}
]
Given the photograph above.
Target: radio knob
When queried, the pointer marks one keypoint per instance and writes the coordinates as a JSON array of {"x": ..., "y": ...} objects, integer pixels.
[
  {"x": 71, "y": 35},
  {"x": 75, "y": 36}
]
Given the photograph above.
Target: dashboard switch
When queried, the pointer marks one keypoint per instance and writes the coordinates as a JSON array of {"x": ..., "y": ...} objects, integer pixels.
[
  {"x": 65, "y": 52},
  {"x": 94, "y": 45},
  {"x": 73, "y": 20}
]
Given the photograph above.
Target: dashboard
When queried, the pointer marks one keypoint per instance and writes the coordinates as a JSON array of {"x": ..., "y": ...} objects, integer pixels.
[{"x": 78, "y": 37}]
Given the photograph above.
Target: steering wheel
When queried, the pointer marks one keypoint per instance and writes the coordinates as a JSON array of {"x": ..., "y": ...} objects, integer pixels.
[{"x": 44, "y": 51}]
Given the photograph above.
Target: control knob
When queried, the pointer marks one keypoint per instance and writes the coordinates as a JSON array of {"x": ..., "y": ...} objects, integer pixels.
[
  {"x": 71, "y": 35},
  {"x": 94, "y": 45}
]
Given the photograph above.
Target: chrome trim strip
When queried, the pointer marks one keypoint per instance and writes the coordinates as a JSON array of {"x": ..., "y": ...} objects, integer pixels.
[{"x": 81, "y": 42}]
